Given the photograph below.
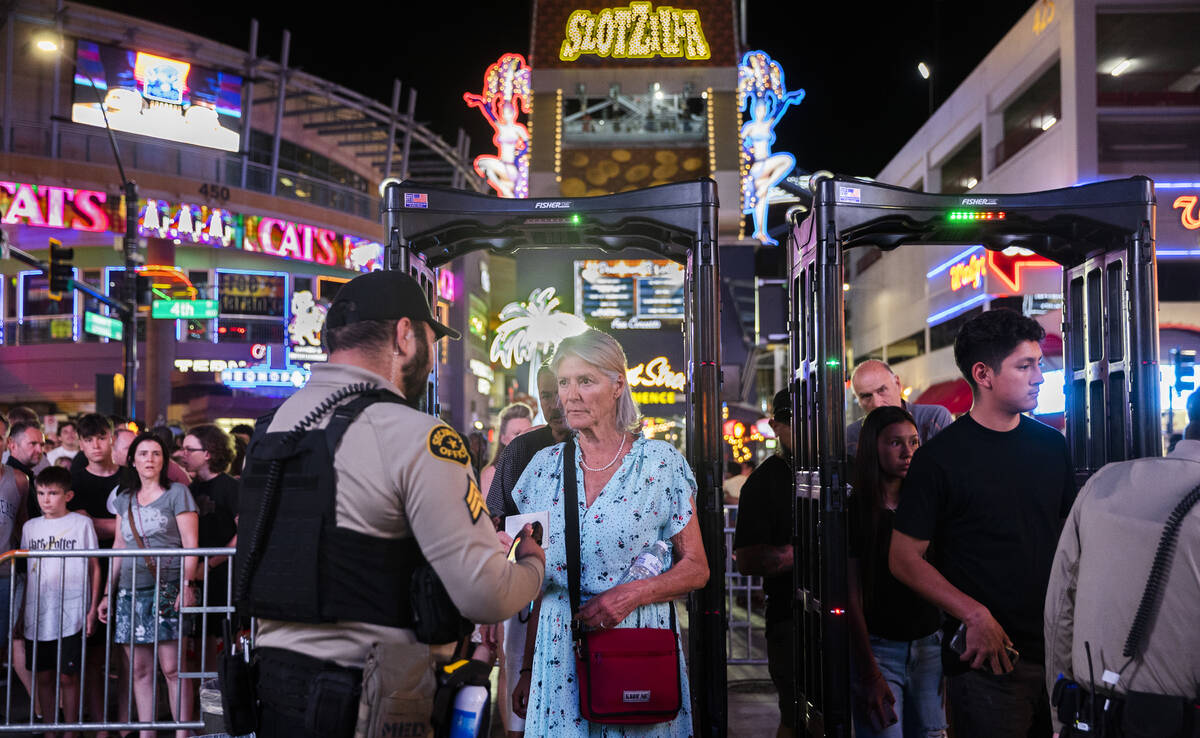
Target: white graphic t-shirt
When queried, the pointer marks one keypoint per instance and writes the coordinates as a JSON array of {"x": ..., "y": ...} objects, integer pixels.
[{"x": 55, "y": 595}]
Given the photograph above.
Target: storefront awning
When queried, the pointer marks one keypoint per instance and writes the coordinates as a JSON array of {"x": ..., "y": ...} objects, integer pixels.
[{"x": 954, "y": 395}]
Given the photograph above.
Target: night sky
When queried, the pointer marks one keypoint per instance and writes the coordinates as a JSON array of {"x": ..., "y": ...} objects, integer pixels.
[{"x": 857, "y": 61}]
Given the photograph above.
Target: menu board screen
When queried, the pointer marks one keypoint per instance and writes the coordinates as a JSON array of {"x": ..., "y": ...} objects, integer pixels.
[{"x": 635, "y": 294}]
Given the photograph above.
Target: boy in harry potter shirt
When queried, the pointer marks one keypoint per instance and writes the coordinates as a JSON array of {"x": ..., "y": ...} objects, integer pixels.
[{"x": 61, "y": 594}]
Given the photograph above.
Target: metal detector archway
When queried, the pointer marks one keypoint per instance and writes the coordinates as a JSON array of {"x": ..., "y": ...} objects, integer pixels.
[
  {"x": 1103, "y": 237},
  {"x": 428, "y": 227}
]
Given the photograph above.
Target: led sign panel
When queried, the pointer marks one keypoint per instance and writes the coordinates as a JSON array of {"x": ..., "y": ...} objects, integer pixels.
[
  {"x": 156, "y": 96},
  {"x": 624, "y": 295}
]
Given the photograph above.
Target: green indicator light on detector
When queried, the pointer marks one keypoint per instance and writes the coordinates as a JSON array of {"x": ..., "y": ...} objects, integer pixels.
[
  {"x": 576, "y": 219},
  {"x": 833, "y": 363}
]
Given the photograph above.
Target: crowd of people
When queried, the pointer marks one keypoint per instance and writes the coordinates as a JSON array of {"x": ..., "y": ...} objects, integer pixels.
[
  {"x": 968, "y": 606},
  {"x": 95, "y": 482},
  {"x": 971, "y": 608}
]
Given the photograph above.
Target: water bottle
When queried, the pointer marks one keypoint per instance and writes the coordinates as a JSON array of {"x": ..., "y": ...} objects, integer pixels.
[
  {"x": 470, "y": 712},
  {"x": 648, "y": 563}
]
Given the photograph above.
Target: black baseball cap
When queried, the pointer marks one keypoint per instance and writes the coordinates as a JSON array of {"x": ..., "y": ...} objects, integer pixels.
[
  {"x": 383, "y": 295},
  {"x": 781, "y": 408}
]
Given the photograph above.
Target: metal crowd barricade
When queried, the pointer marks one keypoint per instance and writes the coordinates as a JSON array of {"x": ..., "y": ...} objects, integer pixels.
[
  {"x": 746, "y": 637},
  {"x": 190, "y": 672}
]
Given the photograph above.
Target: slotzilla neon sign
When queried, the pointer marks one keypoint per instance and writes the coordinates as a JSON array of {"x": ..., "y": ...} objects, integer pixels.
[{"x": 638, "y": 31}]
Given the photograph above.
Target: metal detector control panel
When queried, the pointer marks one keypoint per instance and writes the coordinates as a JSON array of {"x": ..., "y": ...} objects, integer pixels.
[{"x": 1065, "y": 224}]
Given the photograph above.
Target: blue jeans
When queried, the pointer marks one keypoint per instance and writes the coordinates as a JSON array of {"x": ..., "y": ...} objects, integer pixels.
[{"x": 913, "y": 670}]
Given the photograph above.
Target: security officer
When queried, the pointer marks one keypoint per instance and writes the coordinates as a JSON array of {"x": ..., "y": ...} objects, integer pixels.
[
  {"x": 1106, "y": 677},
  {"x": 400, "y": 475}
]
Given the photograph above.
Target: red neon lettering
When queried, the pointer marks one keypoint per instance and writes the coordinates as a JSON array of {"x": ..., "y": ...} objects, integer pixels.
[
  {"x": 56, "y": 205},
  {"x": 88, "y": 204},
  {"x": 290, "y": 245},
  {"x": 1187, "y": 204},
  {"x": 24, "y": 205},
  {"x": 265, "y": 242},
  {"x": 326, "y": 252}
]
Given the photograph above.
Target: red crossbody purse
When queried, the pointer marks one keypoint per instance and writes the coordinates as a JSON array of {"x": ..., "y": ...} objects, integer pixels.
[{"x": 627, "y": 676}]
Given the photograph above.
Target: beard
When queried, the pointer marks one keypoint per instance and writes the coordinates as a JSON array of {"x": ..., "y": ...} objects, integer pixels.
[{"x": 414, "y": 375}]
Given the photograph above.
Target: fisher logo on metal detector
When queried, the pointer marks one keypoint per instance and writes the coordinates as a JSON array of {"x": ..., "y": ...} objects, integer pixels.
[
  {"x": 445, "y": 443},
  {"x": 476, "y": 505},
  {"x": 552, "y": 205},
  {"x": 980, "y": 201}
]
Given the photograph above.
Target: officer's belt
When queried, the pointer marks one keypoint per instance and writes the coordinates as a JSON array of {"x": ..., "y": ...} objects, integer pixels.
[
  {"x": 286, "y": 678},
  {"x": 1135, "y": 715}
]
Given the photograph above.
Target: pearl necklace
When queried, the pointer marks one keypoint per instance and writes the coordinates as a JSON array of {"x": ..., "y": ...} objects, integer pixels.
[{"x": 620, "y": 448}]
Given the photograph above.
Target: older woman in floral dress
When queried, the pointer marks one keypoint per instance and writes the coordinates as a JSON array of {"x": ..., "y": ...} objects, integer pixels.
[{"x": 632, "y": 492}]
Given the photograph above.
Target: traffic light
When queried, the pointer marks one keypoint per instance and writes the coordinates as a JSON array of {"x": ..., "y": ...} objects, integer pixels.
[
  {"x": 1185, "y": 370},
  {"x": 61, "y": 271}
]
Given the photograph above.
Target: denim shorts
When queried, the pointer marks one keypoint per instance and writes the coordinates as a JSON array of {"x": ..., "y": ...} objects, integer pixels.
[{"x": 136, "y": 615}]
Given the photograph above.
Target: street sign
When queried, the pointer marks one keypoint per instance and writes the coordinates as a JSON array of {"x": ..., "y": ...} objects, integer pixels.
[
  {"x": 99, "y": 325},
  {"x": 184, "y": 309}
]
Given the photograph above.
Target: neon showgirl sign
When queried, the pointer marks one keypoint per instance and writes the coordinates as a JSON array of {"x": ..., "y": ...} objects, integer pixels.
[
  {"x": 505, "y": 95},
  {"x": 763, "y": 94}
]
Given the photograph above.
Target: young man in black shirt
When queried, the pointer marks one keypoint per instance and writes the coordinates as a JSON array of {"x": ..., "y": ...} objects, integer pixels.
[
  {"x": 762, "y": 545},
  {"x": 92, "y": 484},
  {"x": 989, "y": 493}
]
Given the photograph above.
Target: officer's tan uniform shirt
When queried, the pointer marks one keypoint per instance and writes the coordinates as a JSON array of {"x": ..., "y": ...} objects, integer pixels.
[
  {"x": 400, "y": 474},
  {"x": 1100, "y": 572}
]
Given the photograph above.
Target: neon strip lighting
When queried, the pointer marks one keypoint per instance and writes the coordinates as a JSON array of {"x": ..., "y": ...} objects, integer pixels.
[
  {"x": 943, "y": 267},
  {"x": 1177, "y": 253},
  {"x": 951, "y": 311},
  {"x": 1177, "y": 185}
]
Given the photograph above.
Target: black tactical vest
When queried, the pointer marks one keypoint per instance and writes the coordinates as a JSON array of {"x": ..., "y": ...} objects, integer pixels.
[{"x": 296, "y": 564}]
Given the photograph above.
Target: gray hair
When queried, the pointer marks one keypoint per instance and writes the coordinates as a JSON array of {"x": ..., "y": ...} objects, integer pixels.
[{"x": 603, "y": 352}]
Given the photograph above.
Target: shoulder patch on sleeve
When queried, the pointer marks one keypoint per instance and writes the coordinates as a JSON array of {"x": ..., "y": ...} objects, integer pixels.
[
  {"x": 445, "y": 443},
  {"x": 476, "y": 505}
]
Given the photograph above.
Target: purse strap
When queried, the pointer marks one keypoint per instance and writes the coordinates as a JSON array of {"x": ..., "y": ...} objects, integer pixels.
[
  {"x": 571, "y": 512},
  {"x": 137, "y": 537}
]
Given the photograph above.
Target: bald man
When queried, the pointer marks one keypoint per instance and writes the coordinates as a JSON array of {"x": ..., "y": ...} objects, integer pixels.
[{"x": 876, "y": 385}]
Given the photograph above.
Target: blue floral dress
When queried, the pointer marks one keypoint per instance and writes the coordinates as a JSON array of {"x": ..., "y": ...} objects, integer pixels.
[{"x": 648, "y": 499}]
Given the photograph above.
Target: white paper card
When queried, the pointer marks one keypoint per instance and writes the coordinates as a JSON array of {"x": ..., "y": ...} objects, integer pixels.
[{"x": 514, "y": 523}]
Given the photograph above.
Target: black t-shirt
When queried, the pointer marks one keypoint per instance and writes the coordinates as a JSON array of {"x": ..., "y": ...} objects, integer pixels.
[
  {"x": 892, "y": 610},
  {"x": 992, "y": 504},
  {"x": 511, "y": 464},
  {"x": 217, "y": 503},
  {"x": 765, "y": 518},
  {"x": 32, "y": 509},
  {"x": 91, "y": 491}
]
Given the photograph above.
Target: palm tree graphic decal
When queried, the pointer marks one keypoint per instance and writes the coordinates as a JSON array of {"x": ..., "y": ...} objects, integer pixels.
[{"x": 531, "y": 330}]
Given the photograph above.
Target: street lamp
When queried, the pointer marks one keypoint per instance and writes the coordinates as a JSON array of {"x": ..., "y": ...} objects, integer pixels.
[
  {"x": 927, "y": 75},
  {"x": 133, "y": 259}
]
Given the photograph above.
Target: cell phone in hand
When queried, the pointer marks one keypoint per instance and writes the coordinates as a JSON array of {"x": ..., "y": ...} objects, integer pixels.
[
  {"x": 537, "y": 537},
  {"x": 958, "y": 644}
]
